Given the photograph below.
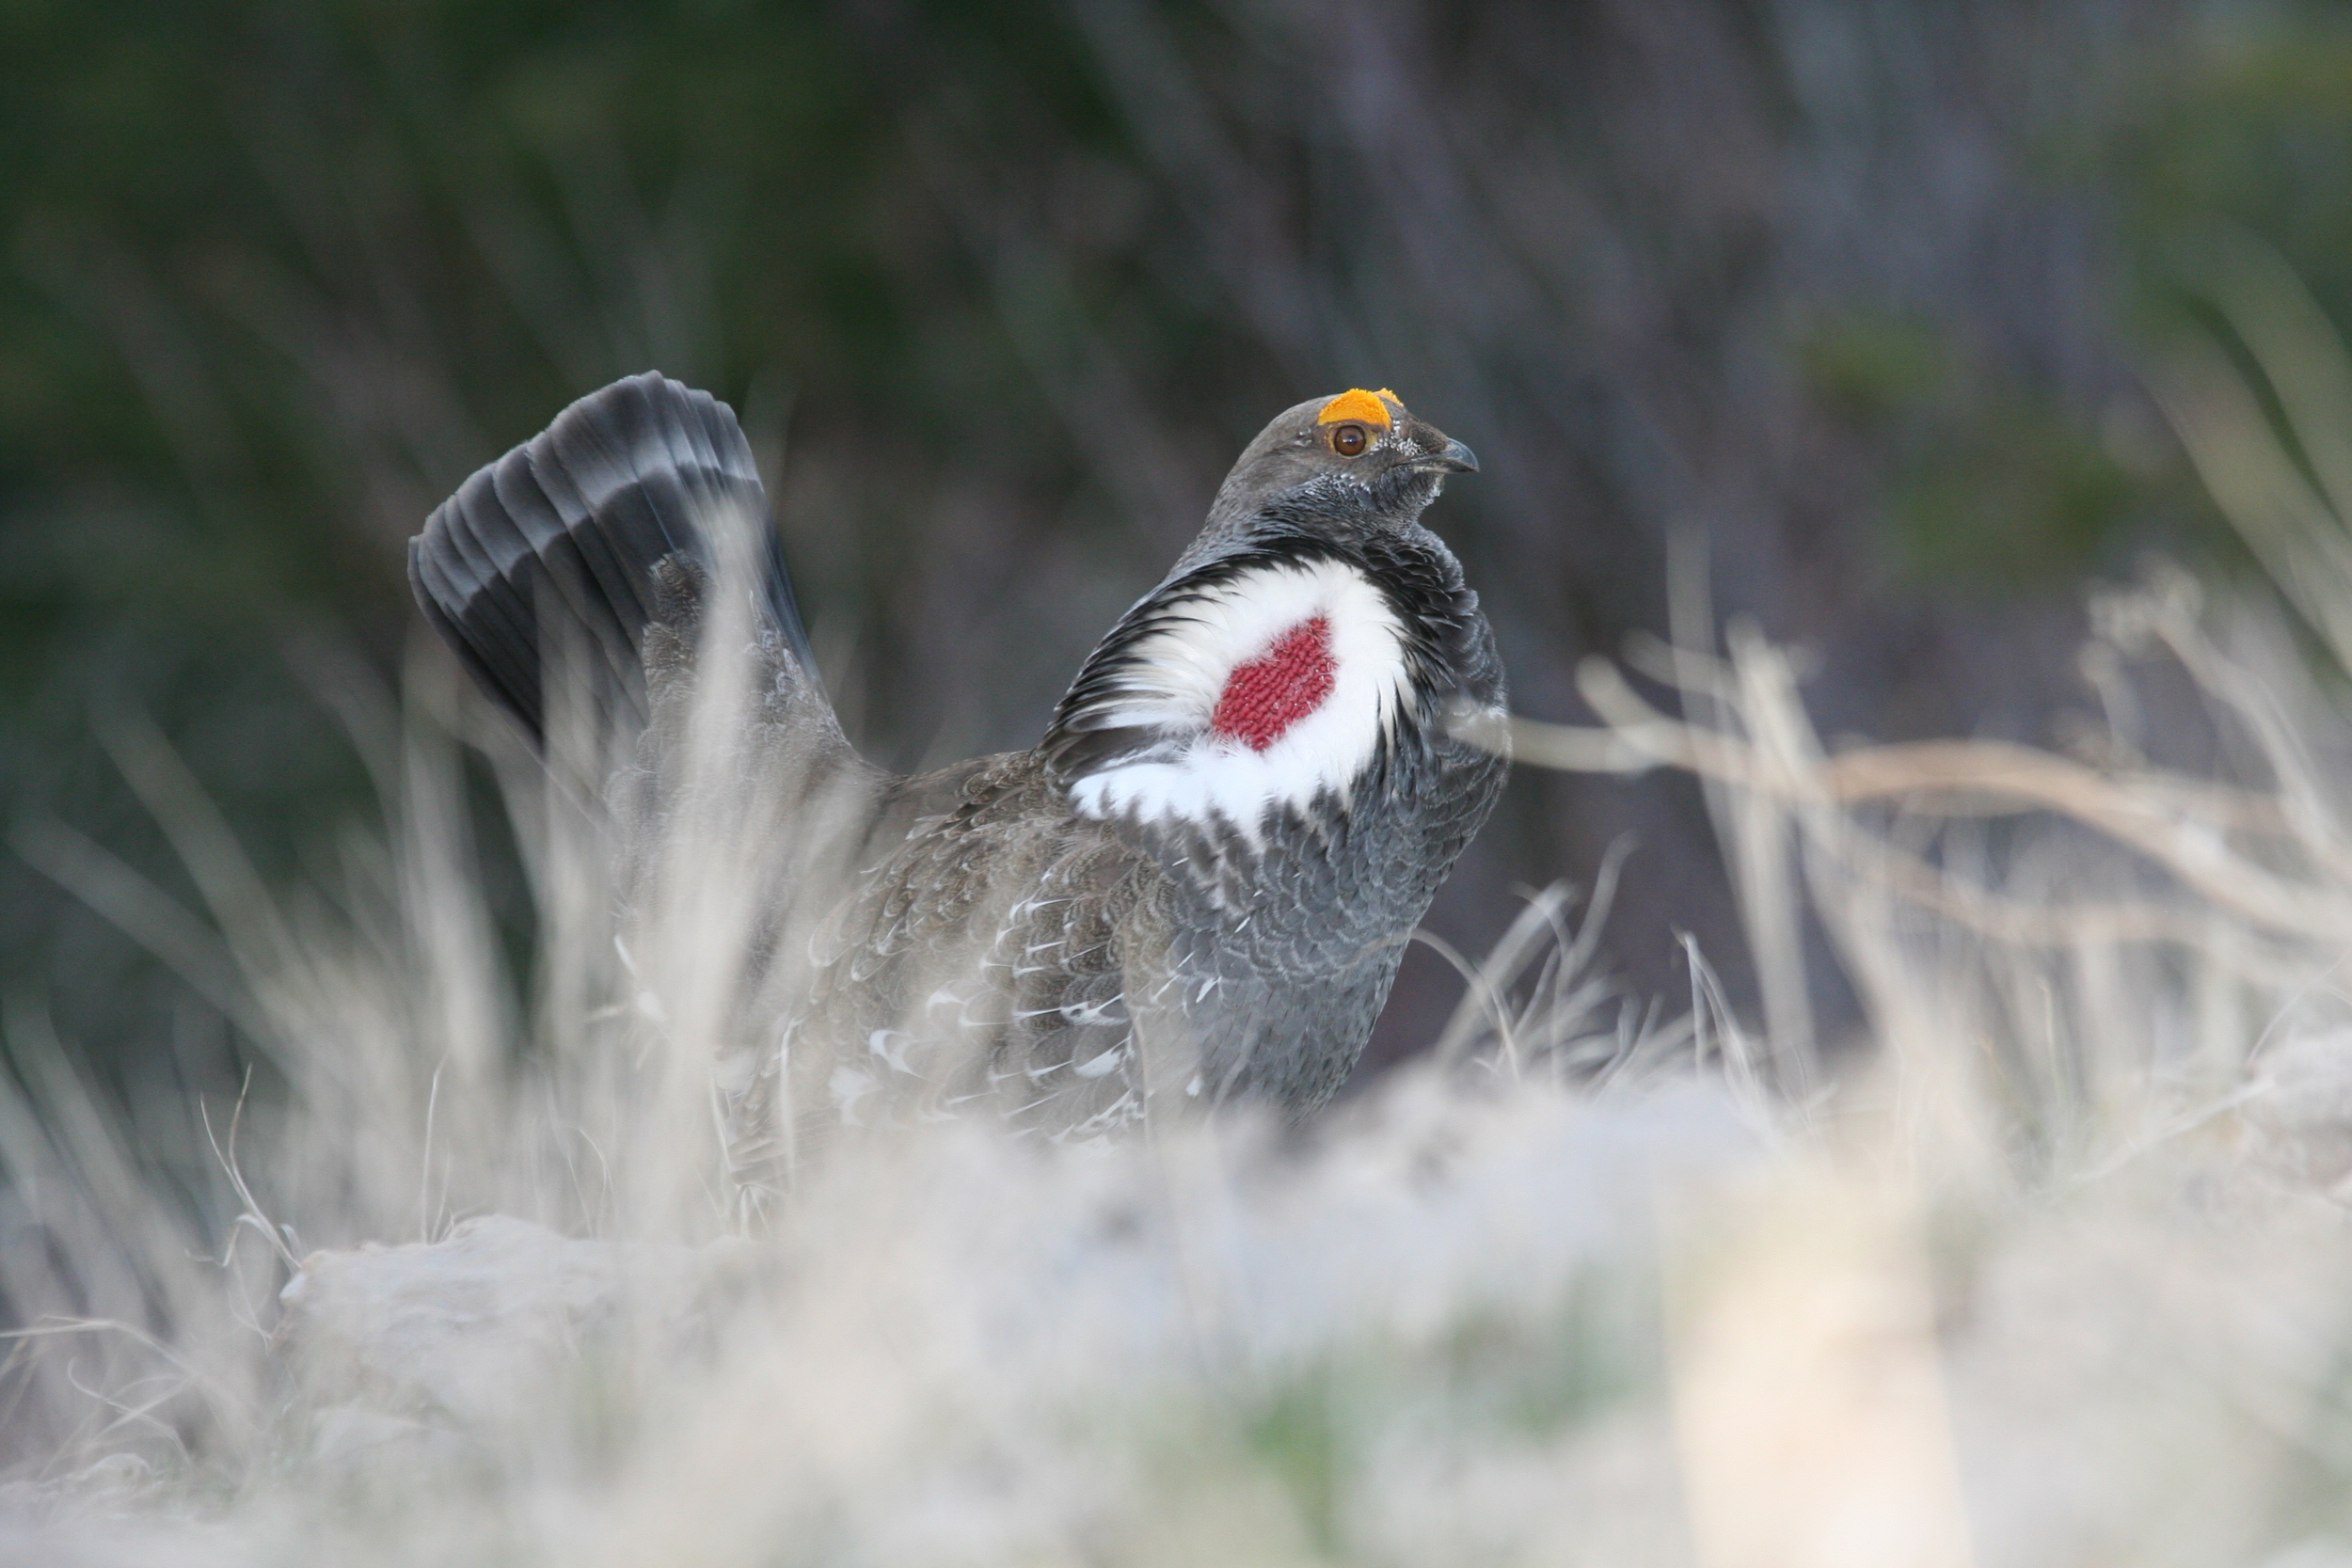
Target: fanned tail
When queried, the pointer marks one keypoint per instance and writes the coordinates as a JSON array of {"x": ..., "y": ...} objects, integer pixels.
[{"x": 548, "y": 552}]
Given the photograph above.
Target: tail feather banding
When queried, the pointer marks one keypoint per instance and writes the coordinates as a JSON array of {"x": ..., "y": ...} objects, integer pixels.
[{"x": 552, "y": 546}]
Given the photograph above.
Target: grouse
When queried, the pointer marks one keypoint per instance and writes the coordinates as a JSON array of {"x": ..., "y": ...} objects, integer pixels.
[{"x": 1195, "y": 889}]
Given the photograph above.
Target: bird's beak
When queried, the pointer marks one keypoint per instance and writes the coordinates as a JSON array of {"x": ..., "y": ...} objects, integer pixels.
[{"x": 1455, "y": 459}]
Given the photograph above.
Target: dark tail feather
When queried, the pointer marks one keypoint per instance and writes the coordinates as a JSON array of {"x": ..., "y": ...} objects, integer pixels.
[{"x": 566, "y": 528}]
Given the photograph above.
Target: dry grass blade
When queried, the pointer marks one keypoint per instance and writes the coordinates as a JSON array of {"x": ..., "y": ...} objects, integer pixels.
[{"x": 2046, "y": 1254}]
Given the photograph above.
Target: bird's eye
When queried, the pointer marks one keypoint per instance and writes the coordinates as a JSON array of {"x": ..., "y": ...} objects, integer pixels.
[{"x": 1349, "y": 440}]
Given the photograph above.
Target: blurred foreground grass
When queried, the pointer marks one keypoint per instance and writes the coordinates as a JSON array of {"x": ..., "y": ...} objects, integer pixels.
[
  {"x": 2040, "y": 1256},
  {"x": 2049, "y": 1265}
]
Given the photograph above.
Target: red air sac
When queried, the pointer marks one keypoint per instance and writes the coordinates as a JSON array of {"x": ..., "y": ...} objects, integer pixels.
[{"x": 1264, "y": 698}]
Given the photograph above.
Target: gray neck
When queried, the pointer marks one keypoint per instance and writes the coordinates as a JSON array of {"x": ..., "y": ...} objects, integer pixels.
[{"x": 1333, "y": 507}]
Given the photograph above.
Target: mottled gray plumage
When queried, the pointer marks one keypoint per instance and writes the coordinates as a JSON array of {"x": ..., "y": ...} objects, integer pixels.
[{"x": 993, "y": 934}]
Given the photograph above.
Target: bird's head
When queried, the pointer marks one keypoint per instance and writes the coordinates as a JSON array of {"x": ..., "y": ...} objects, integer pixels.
[{"x": 1360, "y": 453}]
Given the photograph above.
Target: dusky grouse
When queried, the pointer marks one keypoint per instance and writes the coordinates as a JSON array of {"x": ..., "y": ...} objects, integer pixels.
[{"x": 1195, "y": 889}]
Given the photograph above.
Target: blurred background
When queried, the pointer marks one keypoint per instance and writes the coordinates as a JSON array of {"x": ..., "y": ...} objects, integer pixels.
[{"x": 1857, "y": 294}]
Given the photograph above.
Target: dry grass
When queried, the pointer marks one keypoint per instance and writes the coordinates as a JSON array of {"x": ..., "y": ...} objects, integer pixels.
[{"x": 2049, "y": 1265}]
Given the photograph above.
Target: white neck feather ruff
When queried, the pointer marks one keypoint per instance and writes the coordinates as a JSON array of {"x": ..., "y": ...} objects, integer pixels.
[{"x": 1171, "y": 681}]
